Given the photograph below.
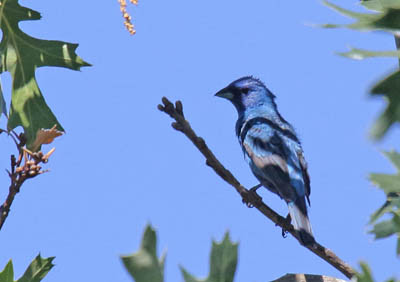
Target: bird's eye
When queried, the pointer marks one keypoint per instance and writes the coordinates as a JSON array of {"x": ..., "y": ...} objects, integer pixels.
[{"x": 245, "y": 90}]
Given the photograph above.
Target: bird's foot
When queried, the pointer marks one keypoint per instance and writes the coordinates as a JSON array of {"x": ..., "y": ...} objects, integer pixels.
[
  {"x": 252, "y": 196},
  {"x": 254, "y": 189},
  {"x": 288, "y": 219}
]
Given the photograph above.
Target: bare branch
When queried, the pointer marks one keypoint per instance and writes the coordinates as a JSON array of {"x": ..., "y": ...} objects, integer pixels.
[
  {"x": 19, "y": 173},
  {"x": 249, "y": 197}
]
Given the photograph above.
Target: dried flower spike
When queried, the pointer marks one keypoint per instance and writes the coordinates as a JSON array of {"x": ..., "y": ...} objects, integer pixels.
[{"x": 127, "y": 18}]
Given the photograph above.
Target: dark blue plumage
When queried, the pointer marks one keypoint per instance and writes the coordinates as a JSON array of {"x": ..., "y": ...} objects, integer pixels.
[{"x": 272, "y": 149}]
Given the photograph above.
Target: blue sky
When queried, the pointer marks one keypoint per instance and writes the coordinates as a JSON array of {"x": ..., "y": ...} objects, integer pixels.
[{"x": 120, "y": 165}]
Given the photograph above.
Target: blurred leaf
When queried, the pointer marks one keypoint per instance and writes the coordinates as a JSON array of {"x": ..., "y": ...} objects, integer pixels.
[
  {"x": 394, "y": 157},
  {"x": 144, "y": 265},
  {"x": 385, "y": 229},
  {"x": 393, "y": 200},
  {"x": 398, "y": 247},
  {"x": 350, "y": 14},
  {"x": 37, "y": 270},
  {"x": 21, "y": 55},
  {"x": 390, "y": 183},
  {"x": 389, "y": 87},
  {"x": 380, "y": 5},
  {"x": 223, "y": 261},
  {"x": 7, "y": 275},
  {"x": 365, "y": 275},
  {"x": 360, "y": 54},
  {"x": 388, "y": 19},
  {"x": 3, "y": 106},
  {"x": 364, "y": 20}
]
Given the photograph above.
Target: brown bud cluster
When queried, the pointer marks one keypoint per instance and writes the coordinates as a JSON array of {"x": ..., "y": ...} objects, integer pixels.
[{"x": 31, "y": 166}]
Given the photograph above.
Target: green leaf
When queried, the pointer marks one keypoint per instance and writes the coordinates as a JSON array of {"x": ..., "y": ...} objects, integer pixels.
[
  {"x": 7, "y": 275},
  {"x": 380, "y": 5},
  {"x": 365, "y": 275},
  {"x": 223, "y": 262},
  {"x": 348, "y": 13},
  {"x": 394, "y": 157},
  {"x": 385, "y": 229},
  {"x": 388, "y": 183},
  {"x": 398, "y": 247},
  {"x": 393, "y": 200},
  {"x": 389, "y": 88},
  {"x": 21, "y": 55},
  {"x": 363, "y": 22},
  {"x": 387, "y": 20},
  {"x": 37, "y": 270},
  {"x": 3, "y": 107},
  {"x": 144, "y": 265},
  {"x": 360, "y": 54}
]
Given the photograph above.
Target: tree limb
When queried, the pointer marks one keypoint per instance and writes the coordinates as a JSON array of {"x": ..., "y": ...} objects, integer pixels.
[{"x": 248, "y": 196}]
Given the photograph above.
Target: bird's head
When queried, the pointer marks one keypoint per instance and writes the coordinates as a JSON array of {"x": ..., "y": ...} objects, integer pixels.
[{"x": 247, "y": 93}]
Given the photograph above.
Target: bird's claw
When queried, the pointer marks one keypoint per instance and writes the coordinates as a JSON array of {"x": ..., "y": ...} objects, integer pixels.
[
  {"x": 252, "y": 196},
  {"x": 249, "y": 205},
  {"x": 284, "y": 231}
]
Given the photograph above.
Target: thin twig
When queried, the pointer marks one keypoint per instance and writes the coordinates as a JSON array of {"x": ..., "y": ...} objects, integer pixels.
[
  {"x": 19, "y": 173},
  {"x": 249, "y": 197}
]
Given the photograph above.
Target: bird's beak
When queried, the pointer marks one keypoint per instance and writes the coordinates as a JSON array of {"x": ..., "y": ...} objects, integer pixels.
[{"x": 225, "y": 93}]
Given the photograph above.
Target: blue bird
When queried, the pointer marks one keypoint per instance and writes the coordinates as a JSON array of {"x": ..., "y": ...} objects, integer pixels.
[{"x": 272, "y": 149}]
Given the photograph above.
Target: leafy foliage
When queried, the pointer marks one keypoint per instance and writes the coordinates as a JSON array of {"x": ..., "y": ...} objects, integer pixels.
[
  {"x": 389, "y": 88},
  {"x": 144, "y": 265},
  {"x": 223, "y": 261},
  {"x": 390, "y": 184},
  {"x": 386, "y": 17},
  {"x": 3, "y": 106},
  {"x": 35, "y": 272},
  {"x": 366, "y": 275},
  {"x": 21, "y": 55},
  {"x": 360, "y": 54},
  {"x": 7, "y": 275},
  {"x": 380, "y": 5}
]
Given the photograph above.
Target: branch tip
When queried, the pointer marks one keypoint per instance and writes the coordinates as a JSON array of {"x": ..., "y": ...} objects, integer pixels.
[
  {"x": 165, "y": 101},
  {"x": 160, "y": 108},
  {"x": 179, "y": 107},
  {"x": 177, "y": 126}
]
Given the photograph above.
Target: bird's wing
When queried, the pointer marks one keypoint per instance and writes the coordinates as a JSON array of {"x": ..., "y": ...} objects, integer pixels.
[
  {"x": 264, "y": 148},
  {"x": 277, "y": 160},
  {"x": 306, "y": 176}
]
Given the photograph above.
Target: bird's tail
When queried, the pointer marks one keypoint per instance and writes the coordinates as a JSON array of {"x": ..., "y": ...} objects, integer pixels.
[{"x": 301, "y": 223}]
